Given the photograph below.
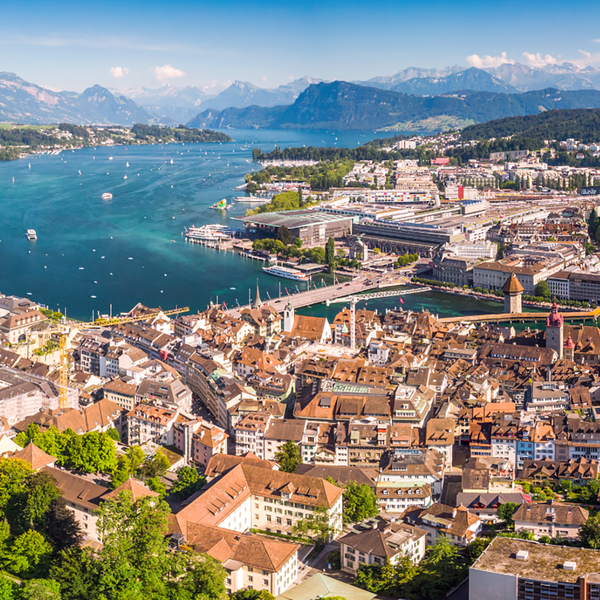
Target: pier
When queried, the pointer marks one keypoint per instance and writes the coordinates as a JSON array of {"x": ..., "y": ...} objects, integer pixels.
[{"x": 331, "y": 292}]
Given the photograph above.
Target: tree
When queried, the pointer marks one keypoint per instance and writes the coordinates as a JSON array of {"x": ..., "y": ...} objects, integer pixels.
[
  {"x": 114, "y": 434},
  {"x": 34, "y": 501},
  {"x": 29, "y": 555},
  {"x": 360, "y": 502},
  {"x": 288, "y": 457},
  {"x": 40, "y": 589},
  {"x": 135, "y": 552},
  {"x": 250, "y": 594},
  {"x": 330, "y": 254},
  {"x": 13, "y": 474},
  {"x": 476, "y": 547},
  {"x": 284, "y": 235},
  {"x": 203, "y": 576},
  {"x": 506, "y": 512},
  {"x": 61, "y": 528},
  {"x": 156, "y": 485},
  {"x": 76, "y": 571},
  {"x": 543, "y": 289},
  {"x": 317, "y": 526},
  {"x": 157, "y": 464},
  {"x": 589, "y": 533},
  {"x": 188, "y": 482}
]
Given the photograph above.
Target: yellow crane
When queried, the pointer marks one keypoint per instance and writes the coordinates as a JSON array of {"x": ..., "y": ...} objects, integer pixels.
[{"x": 63, "y": 337}]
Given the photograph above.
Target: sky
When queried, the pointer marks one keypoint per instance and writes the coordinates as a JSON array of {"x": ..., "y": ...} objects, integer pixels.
[{"x": 66, "y": 45}]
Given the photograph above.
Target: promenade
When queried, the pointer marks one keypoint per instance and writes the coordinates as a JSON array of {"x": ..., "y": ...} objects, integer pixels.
[{"x": 363, "y": 283}]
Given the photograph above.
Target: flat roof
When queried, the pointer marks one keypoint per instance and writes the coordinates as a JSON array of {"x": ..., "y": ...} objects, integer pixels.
[
  {"x": 543, "y": 563},
  {"x": 294, "y": 218}
]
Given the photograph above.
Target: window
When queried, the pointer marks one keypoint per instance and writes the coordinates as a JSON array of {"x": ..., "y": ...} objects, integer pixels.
[
  {"x": 265, "y": 582},
  {"x": 278, "y": 520},
  {"x": 288, "y": 522},
  {"x": 250, "y": 578},
  {"x": 268, "y": 517}
]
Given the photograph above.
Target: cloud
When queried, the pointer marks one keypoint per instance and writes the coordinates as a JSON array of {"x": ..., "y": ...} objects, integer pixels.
[
  {"x": 119, "y": 72},
  {"x": 537, "y": 60},
  {"x": 596, "y": 41},
  {"x": 488, "y": 62},
  {"x": 264, "y": 77},
  {"x": 167, "y": 72},
  {"x": 585, "y": 53}
]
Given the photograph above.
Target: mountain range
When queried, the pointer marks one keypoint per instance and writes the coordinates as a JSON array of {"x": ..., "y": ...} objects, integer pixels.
[
  {"x": 421, "y": 99},
  {"x": 24, "y": 102},
  {"x": 342, "y": 105}
]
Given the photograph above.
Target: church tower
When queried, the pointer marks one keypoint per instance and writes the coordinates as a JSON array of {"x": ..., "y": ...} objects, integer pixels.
[
  {"x": 555, "y": 336},
  {"x": 513, "y": 291},
  {"x": 288, "y": 317}
]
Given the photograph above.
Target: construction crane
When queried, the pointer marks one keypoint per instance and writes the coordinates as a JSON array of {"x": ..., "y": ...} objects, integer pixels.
[{"x": 63, "y": 337}]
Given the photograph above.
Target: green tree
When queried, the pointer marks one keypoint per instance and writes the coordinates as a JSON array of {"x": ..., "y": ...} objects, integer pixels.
[
  {"x": 188, "y": 482},
  {"x": 114, "y": 434},
  {"x": 157, "y": 464},
  {"x": 200, "y": 576},
  {"x": 13, "y": 474},
  {"x": 284, "y": 235},
  {"x": 61, "y": 527},
  {"x": 543, "y": 289},
  {"x": 77, "y": 572},
  {"x": 360, "y": 502},
  {"x": 250, "y": 594},
  {"x": 134, "y": 556},
  {"x": 40, "y": 589},
  {"x": 156, "y": 485},
  {"x": 34, "y": 501},
  {"x": 288, "y": 457},
  {"x": 506, "y": 512},
  {"x": 29, "y": 555},
  {"x": 318, "y": 525},
  {"x": 330, "y": 254},
  {"x": 7, "y": 589},
  {"x": 589, "y": 533}
]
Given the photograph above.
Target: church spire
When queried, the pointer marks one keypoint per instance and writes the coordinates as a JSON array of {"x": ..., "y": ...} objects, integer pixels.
[{"x": 257, "y": 300}]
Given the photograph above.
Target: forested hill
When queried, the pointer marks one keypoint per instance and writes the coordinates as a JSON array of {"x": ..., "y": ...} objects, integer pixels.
[
  {"x": 345, "y": 106},
  {"x": 581, "y": 124}
]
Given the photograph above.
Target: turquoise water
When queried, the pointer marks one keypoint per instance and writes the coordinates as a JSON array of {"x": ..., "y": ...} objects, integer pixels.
[{"x": 92, "y": 253}]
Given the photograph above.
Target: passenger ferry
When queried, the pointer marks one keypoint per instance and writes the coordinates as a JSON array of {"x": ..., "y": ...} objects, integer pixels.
[
  {"x": 210, "y": 233},
  {"x": 286, "y": 273},
  {"x": 255, "y": 199},
  {"x": 31, "y": 234}
]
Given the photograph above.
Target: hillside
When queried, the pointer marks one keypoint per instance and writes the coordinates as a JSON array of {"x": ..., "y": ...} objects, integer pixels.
[
  {"x": 581, "y": 124},
  {"x": 346, "y": 106},
  {"x": 24, "y": 102}
]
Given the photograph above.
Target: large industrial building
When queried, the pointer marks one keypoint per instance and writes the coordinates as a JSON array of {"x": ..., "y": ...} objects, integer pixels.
[{"x": 313, "y": 227}]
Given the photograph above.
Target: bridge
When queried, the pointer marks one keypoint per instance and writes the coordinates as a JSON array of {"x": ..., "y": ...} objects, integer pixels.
[
  {"x": 374, "y": 295},
  {"x": 361, "y": 284},
  {"x": 521, "y": 317}
]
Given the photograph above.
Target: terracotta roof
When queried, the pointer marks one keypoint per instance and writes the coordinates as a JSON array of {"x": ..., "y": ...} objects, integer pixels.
[
  {"x": 513, "y": 285},
  {"x": 252, "y": 550},
  {"x": 551, "y": 512},
  {"x": 137, "y": 489},
  {"x": 77, "y": 490},
  {"x": 36, "y": 457}
]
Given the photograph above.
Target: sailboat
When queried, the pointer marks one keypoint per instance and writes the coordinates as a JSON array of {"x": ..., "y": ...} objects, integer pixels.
[
  {"x": 171, "y": 161},
  {"x": 126, "y": 164}
]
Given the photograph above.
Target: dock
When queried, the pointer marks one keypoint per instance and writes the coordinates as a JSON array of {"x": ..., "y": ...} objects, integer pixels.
[{"x": 330, "y": 292}]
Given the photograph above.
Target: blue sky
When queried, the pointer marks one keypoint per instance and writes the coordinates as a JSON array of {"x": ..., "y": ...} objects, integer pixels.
[{"x": 68, "y": 45}]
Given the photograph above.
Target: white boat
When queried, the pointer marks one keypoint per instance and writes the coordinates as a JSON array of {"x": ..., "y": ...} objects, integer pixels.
[
  {"x": 31, "y": 234},
  {"x": 286, "y": 273},
  {"x": 106, "y": 196},
  {"x": 210, "y": 233},
  {"x": 171, "y": 161},
  {"x": 255, "y": 199},
  {"x": 125, "y": 177},
  {"x": 127, "y": 164},
  {"x": 110, "y": 158}
]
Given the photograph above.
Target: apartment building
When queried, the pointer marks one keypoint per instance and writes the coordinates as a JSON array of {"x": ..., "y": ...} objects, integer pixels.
[
  {"x": 247, "y": 496},
  {"x": 150, "y": 423},
  {"x": 379, "y": 540},
  {"x": 552, "y": 519},
  {"x": 250, "y": 434},
  {"x": 512, "y": 569}
]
